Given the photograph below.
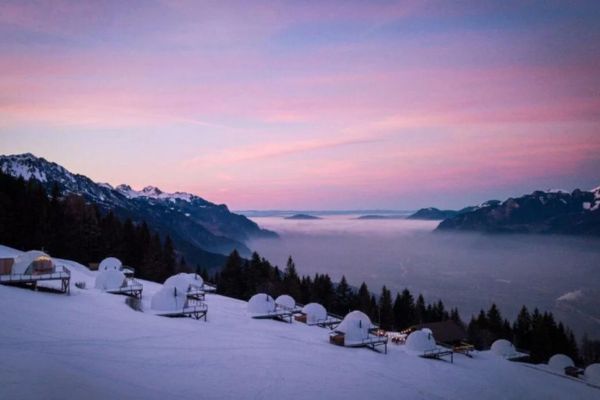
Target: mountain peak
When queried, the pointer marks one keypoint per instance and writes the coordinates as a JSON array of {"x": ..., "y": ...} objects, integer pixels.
[{"x": 152, "y": 191}]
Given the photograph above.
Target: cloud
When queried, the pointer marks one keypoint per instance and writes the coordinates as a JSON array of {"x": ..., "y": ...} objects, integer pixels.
[{"x": 571, "y": 296}]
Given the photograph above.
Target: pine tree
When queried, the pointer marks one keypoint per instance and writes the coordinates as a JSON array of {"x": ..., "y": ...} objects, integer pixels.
[
  {"x": 291, "y": 281},
  {"x": 386, "y": 312}
]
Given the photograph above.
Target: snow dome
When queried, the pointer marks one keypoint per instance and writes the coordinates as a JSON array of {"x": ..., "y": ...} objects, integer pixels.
[
  {"x": 592, "y": 374},
  {"x": 314, "y": 313},
  {"x": 33, "y": 262},
  {"x": 110, "y": 263},
  {"x": 503, "y": 348},
  {"x": 286, "y": 302},
  {"x": 559, "y": 362},
  {"x": 110, "y": 280},
  {"x": 421, "y": 341},
  {"x": 261, "y": 304},
  {"x": 355, "y": 326},
  {"x": 169, "y": 298},
  {"x": 185, "y": 282}
]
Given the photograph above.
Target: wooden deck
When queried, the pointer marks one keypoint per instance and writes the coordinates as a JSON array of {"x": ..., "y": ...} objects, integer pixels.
[
  {"x": 197, "y": 311},
  {"x": 282, "y": 315},
  {"x": 61, "y": 274},
  {"x": 132, "y": 288},
  {"x": 439, "y": 354},
  {"x": 372, "y": 342}
]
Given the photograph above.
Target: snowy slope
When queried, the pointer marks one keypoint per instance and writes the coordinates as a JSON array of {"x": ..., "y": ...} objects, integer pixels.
[{"x": 91, "y": 345}]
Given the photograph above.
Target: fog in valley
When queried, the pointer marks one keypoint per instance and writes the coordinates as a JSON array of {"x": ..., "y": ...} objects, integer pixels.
[{"x": 466, "y": 270}]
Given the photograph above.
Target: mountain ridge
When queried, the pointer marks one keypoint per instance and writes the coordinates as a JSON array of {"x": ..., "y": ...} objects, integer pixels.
[
  {"x": 546, "y": 212},
  {"x": 193, "y": 222}
]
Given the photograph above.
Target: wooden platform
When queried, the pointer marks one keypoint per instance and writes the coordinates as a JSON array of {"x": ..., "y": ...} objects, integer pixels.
[
  {"x": 134, "y": 289},
  {"x": 284, "y": 316},
  {"x": 439, "y": 354},
  {"x": 197, "y": 311},
  {"x": 60, "y": 273},
  {"x": 373, "y": 342}
]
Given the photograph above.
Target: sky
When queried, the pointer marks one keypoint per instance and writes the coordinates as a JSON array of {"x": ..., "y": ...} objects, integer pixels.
[{"x": 308, "y": 104}]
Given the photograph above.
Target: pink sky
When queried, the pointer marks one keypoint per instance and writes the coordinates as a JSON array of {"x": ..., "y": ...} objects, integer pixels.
[{"x": 308, "y": 105}]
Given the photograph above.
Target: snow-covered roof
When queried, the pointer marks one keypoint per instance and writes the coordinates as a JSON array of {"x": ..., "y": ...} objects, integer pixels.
[
  {"x": 355, "y": 326},
  {"x": 421, "y": 340},
  {"x": 24, "y": 261},
  {"x": 592, "y": 374},
  {"x": 314, "y": 312},
  {"x": 110, "y": 263},
  {"x": 503, "y": 348},
  {"x": 559, "y": 362},
  {"x": 286, "y": 302},
  {"x": 185, "y": 282},
  {"x": 261, "y": 303},
  {"x": 169, "y": 298},
  {"x": 110, "y": 279}
]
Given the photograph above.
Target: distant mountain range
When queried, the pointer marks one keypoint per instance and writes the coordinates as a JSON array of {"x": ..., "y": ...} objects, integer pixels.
[
  {"x": 558, "y": 212},
  {"x": 198, "y": 227},
  {"x": 302, "y": 216}
]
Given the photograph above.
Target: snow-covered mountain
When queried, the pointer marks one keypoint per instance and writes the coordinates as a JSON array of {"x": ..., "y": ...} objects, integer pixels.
[
  {"x": 195, "y": 224},
  {"x": 92, "y": 345},
  {"x": 551, "y": 211}
]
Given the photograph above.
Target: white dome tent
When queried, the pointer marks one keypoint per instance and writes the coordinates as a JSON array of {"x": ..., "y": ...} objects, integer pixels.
[
  {"x": 355, "y": 331},
  {"x": 262, "y": 306},
  {"x": 505, "y": 349},
  {"x": 113, "y": 263},
  {"x": 592, "y": 374},
  {"x": 286, "y": 302},
  {"x": 356, "y": 326},
  {"x": 313, "y": 314},
  {"x": 559, "y": 362},
  {"x": 174, "y": 301},
  {"x": 110, "y": 279},
  {"x": 32, "y": 267},
  {"x": 110, "y": 263},
  {"x": 115, "y": 281},
  {"x": 421, "y": 341},
  {"x": 192, "y": 284},
  {"x": 33, "y": 262}
]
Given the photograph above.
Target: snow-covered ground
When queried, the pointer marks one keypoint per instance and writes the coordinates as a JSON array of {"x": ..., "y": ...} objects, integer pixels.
[{"x": 92, "y": 345}]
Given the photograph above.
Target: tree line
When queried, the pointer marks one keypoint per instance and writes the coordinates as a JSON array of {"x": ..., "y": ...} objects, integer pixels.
[
  {"x": 69, "y": 227},
  {"x": 538, "y": 334}
]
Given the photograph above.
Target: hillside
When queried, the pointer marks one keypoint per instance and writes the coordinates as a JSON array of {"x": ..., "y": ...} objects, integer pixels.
[
  {"x": 432, "y": 213},
  {"x": 195, "y": 224},
  {"x": 549, "y": 212},
  {"x": 92, "y": 345}
]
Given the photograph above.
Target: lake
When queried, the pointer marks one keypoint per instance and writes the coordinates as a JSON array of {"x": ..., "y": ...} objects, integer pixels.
[{"x": 466, "y": 270}]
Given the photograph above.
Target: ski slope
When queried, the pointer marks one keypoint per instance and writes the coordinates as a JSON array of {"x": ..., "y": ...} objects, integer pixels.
[{"x": 92, "y": 345}]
